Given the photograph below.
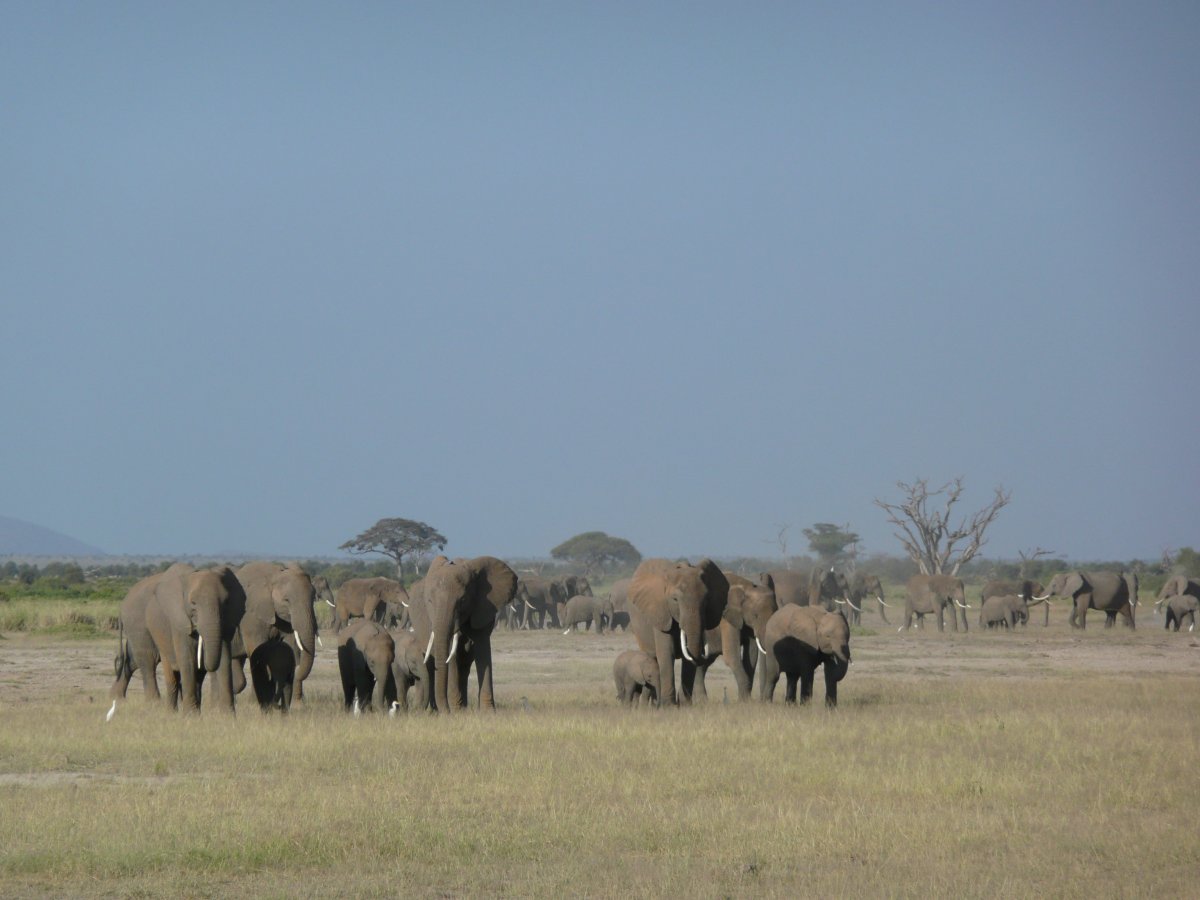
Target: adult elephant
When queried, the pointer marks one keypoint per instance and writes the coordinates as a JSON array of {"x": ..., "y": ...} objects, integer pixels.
[
  {"x": 828, "y": 588},
  {"x": 790, "y": 587},
  {"x": 1106, "y": 591},
  {"x": 671, "y": 606},
  {"x": 461, "y": 600},
  {"x": 366, "y": 653},
  {"x": 861, "y": 587},
  {"x": 933, "y": 594},
  {"x": 748, "y": 608},
  {"x": 538, "y": 597},
  {"x": 192, "y": 619},
  {"x": 279, "y": 607},
  {"x": 618, "y": 593},
  {"x": 797, "y": 640},
  {"x": 381, "y": 600},
  {"x": 584, "y": 610},
  {"x": 135, "y": 647}
]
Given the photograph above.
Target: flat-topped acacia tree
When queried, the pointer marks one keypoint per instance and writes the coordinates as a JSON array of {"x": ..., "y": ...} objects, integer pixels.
[
  {"x": 595, "y": 551},
  {"x": 398, "y": 539}
]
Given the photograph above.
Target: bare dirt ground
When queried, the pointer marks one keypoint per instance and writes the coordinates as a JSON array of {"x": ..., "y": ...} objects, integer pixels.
[{"x": 537, "y": 667}]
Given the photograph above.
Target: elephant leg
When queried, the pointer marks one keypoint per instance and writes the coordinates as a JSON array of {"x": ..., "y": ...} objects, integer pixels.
[
  {"x": 483, "y": 673},
  {"x": 941, "y": 614},
  {"x": 699, "y": 691},
  {"x": 458, "y": 681},
  {"x": 664, "y": 653},
  {"x": 189, "y": 686},
  {"x": 170, "y": 693},
  {"x": 735, "y": 658},
  {"x": 831, "y": 683},
  {"x": 225, "y": 678},
  {"x": 789, "y": 694},
  {"x": 150, "y": 680},
  {"x": 806, "y": 684}
]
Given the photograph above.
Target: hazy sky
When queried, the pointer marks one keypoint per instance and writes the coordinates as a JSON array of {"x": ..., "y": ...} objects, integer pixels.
[{"x": 675, "y": 271}]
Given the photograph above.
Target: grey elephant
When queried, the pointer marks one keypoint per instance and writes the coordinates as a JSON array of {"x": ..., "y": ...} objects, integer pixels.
[
  {"x": 1007, "y": 610},
  {"x": 748, "y": 608},
  {"x": 380, "y": 599},
  {"x": 278, "y": 660},
  {"x": 1175, "y": 586},
  {"x": 618, "y": 593},
  {"x": 584, "y": 610},
  {"x": 862, "y": 587},
  {"x": 797, "y": 640},
  {"x": 186, "y": 619},
  {"x": 933, "y": 594},
  {"x": 409, "y": 670},
  {"x": 1178, "y": 607},
  {"x": 1022, "y": 587},
  {"x": 1106, "y": 591},
  {"x": 790, "y": 587},
  {"x": 366, "y": 653},
  {"x": 635, "y": 672},
  {"x": 279, "y": 606},
  {"x": 537, "y": 596},
  {"x": 460, "y": 601},
  {"x": 828, "y": 588},
  {"x": 672, "y": 605}
]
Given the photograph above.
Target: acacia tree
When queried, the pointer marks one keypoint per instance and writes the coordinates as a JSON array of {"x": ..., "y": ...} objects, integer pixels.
[
  {"x": 930, "y": 540},
  {"x": 595, "y": 550},
  {"x": 398, "y": 539},
  {"x": 829, "y": 542}
]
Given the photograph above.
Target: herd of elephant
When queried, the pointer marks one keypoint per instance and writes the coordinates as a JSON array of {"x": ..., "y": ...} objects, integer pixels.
[{"x": 429, "y": 636}]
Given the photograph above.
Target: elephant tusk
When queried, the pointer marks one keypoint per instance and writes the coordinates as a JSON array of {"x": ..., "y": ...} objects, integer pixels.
[
  {"x": 568, "y": 631},
  {"x": 453, "y": 648},
  {"x": 760, "y": 646},
  {"x": 963, "y": 605},
  {"x": 300, "y": 643},
  {"x": 884, "y": 602},
  {"x": 112, "y": 711},
  {"x": 852, "y": 606},
  {"x": 331, "y": 605},
  {"x": 901, "y": 628},
  {"x": 686, "y": 655},
  {"x": 530, "y": 605},
  {"x": 1046, "y": 597},
  {"x": 405, "y": 605},
  {"x": 706, "y": 648},
  {"x": 200, "y": 653},
  {"x": 428, "y": 648},
  {"x": 320, "y": 643},
  {"x": 839, "y": 602}
]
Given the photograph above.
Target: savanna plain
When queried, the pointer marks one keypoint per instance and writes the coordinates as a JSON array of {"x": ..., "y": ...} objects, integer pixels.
[{"x": 1043, "y": 762}]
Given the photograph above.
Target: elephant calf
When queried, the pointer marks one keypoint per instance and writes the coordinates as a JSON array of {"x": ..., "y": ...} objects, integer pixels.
[
  {"x": 633, "y": 672},
  {"x": 797, "y": 639},
  {"x": 583, "y": 610},
  {"x": 1180, "y": 606},
  {"x": 409, "y": 670},
  {"x": 276, "y": 660},
  {"x": 365, "y": 656}
]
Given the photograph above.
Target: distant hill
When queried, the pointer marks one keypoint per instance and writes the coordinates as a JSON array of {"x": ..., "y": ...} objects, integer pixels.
[{"x": 19, "y": 538}]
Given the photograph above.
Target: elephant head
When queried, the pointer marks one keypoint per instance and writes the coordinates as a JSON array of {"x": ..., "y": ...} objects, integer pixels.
[
  {"x": 833, "y": 637},
  {"x": 669, "y": 599},
  {"x": 322, "y": 590},
  {"x": 828, "y": 588},
  {"x": 463, "y": 597},
  {"x": 293, "y": 595},
  {"x": 750, "y": 605}
]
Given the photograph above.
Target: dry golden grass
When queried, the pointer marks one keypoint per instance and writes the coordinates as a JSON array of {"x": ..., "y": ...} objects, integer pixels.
[{"x": 1049, "y": 763}]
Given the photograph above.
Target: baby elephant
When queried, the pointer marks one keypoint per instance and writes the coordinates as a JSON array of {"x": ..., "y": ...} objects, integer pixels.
[
  {"x": 277, "y": 662},
  {"x": 409, "y": 670},
  {"x": 1180, "y": 606},
  {"x": 581, "y": 610},
  {"x": 365, "y": 656},
  {"x": 797, "y": 639},
  {"x": 1005, "y": 611},
  {"x": 635, "y": 671}
]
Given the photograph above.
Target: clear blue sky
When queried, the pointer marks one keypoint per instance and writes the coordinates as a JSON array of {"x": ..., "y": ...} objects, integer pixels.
[{"x": 675, "y": 271}]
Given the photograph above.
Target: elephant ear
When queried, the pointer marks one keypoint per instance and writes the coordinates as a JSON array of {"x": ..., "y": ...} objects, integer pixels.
[
  {"x": 171, "y": 596},
  {"x": 494, "y": 581},
  {"x": 717, "y": 596},
  {"x": 648, "y": 592},
  {"x": 767, "y": 581}
]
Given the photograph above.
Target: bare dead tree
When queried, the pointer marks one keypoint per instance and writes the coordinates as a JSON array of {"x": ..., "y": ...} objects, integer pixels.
[
  {"x": 936, "y": 546},
  {"x": 780, "y": 540}
]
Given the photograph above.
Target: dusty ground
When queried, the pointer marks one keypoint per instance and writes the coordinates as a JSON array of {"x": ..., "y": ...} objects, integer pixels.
[{"x": 548, "y": 667}]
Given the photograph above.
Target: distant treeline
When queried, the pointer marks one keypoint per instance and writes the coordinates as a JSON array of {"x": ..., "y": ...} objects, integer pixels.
[{"x": 72, "y": 580}]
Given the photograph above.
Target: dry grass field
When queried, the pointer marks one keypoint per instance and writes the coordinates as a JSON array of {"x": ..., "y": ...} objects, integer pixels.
[{"x": 1047, "y": 762}]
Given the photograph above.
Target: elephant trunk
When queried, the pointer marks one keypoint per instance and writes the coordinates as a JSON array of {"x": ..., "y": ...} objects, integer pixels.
[
  {"x": 379, "y": 693},
  {"x": 208, "y": 627},
  {"x": 444, "y": 632},
  {"x": 304, "y": 629}
]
